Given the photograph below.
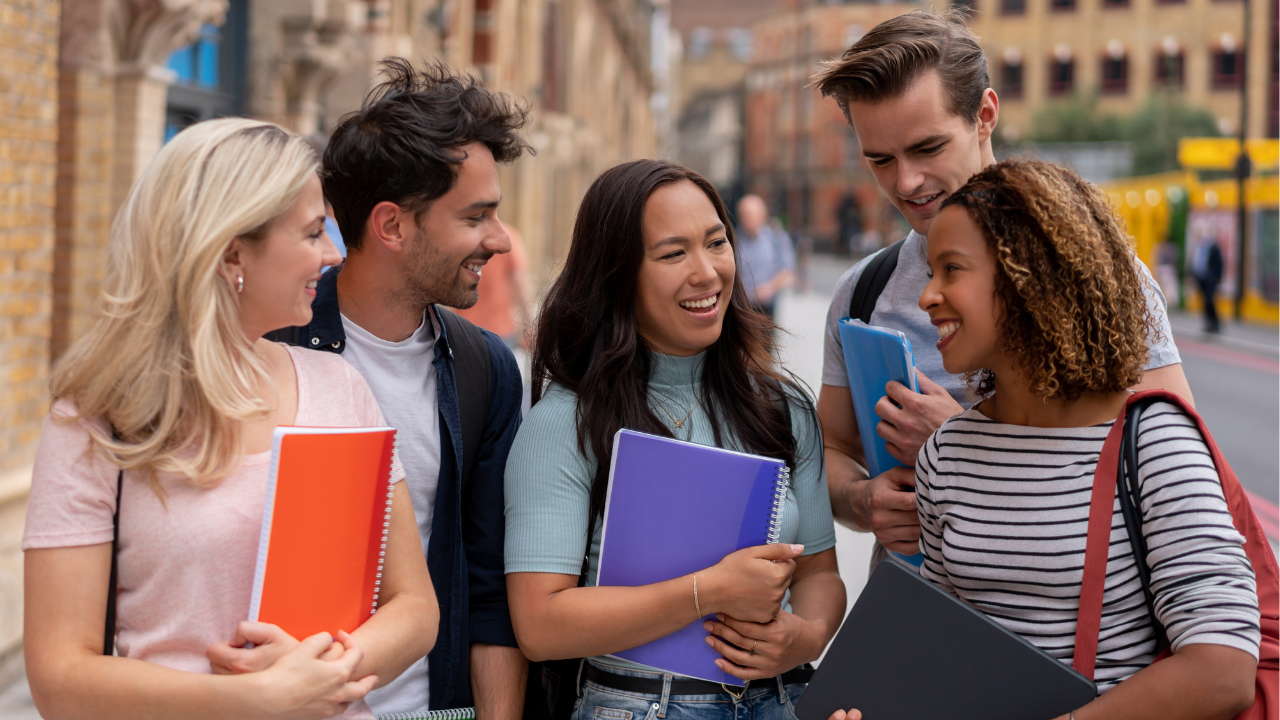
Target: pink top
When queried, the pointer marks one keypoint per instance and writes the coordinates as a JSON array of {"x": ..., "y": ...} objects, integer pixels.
[{"x": 186, "y": 566}]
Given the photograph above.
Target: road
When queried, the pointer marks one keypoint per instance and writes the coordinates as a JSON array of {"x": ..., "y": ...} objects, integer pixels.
[{"x": 1235, "y": 378}]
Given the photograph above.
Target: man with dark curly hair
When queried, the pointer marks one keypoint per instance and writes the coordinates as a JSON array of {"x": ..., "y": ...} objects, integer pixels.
[
  {"x": 916, "y": 91},
  {"x": 413, "y": 180}
]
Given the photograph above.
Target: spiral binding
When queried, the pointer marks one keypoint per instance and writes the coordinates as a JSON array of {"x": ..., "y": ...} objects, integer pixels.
[
  {"x": 779, "y": 501},
  {"x": 450, "y": 714},
  {"x": 386, "y": 524}
]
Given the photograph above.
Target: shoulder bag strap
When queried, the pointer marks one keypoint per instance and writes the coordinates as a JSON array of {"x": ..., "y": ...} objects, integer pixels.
[
  {"x": 1131, "y": 510},
  {"x": 872, "y": 281},
  {"x": 1097, "y": 543},
  {"x": 109, "y": 633},
  {"x": 471, "y": 372}
]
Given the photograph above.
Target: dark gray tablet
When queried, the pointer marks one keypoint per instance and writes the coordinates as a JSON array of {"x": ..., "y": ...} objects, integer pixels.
[{"x": 908, "y": 650}]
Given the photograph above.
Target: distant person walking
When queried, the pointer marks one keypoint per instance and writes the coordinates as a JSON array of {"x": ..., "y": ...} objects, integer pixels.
[
  {"x": 1206, "y": 267},
  {"x": 767, "y": 261}
]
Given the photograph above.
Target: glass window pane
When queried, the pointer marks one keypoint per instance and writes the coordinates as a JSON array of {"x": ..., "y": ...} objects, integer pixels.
[{"x": 182, "y": 62}]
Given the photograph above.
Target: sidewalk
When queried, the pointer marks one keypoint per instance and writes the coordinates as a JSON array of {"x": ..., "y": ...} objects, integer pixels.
[{"x": 1247, "y": 337}]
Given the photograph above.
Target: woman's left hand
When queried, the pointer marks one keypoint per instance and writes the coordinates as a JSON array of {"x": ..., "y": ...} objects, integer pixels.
[
  {"x": 270, "y": 643},
  {"x": 767, "y": 649}
]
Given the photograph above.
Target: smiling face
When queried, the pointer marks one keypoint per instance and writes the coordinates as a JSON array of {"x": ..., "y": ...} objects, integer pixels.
[
  {"x": 686, "y": 277},
  {"x": 961, "y": 295},
  {"x": 280, "y": 271},
  {"x": 919, "y": 151},
  {"x": 457, "y": 235}
]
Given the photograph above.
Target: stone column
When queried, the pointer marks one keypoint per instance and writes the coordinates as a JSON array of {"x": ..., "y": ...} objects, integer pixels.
[
  {"x": 315, "y": 52},
  {"x": 142, "y": 34}
]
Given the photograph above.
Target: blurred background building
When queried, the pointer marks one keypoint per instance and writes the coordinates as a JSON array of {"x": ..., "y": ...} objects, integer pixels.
[{"x": 1119, "y": 89}]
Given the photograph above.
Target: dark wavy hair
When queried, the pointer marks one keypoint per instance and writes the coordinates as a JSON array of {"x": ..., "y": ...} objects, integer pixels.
[
  {"x": 404, "y": 143},
  {"x": 1074, "y": 309},
  {"x": 588, "y": 340}
]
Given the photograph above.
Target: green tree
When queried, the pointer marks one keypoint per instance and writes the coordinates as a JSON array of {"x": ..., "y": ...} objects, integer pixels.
[
  {"x": 1158, "y": 125},
  {"x": 1154, "y": 129},
  {"x": 1076, "y": 119}
]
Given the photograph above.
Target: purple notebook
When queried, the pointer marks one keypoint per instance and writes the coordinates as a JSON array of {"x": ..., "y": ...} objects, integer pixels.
[{"x": 674, "y": 508}]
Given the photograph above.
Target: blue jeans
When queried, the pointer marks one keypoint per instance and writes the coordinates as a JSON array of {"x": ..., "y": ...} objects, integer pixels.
[{"x": 763, "y": 700}]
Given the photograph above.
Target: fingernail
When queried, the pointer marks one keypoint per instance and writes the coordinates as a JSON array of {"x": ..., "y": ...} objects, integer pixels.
[
  {"x": 709, "y": 642},
  {"x": 797, "y": 548},
  {"x": 706, "y": 626},
  {"x": 720, "y": 617}
]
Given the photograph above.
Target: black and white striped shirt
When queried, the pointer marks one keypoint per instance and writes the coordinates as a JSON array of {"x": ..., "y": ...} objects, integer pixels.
[{"x": 1004, "y": 511}]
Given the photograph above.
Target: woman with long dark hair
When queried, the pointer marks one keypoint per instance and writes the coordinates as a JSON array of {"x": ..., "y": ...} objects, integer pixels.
[{"x": 648, "y": 328}]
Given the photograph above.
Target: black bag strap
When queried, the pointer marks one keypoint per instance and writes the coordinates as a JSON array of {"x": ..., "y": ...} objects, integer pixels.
[
  {"x": 471, "y": 372},
  {"x": 872, "y": 281},
  {"x": 109, "y": 633},
  {"x": 1130, "y": 508}
]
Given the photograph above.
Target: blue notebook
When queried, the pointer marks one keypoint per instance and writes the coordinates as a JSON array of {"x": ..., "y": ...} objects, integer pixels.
[
  {"x": 674, "y": 508},
  {"x": 873, "y": 356}
]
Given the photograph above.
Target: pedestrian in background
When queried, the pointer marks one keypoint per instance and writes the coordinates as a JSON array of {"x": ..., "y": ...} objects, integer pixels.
[
  {"x": 164, "y": 414},
  {"x": 766, "y": 259},
  {"x": 1206, "y": 268},
  {"x": 413, "y": 180},
  {"x": 647, "y": 328}
]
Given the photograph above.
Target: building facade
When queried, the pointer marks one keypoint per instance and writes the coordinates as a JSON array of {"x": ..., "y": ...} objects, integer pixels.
[
  {"x": 801, "y": 154},
  {"x": 1124, "y": 51},
  {"x": 91, "y": 89}
]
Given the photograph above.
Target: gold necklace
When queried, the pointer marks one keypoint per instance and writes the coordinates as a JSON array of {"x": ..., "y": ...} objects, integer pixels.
[{"x": 680, "y": 423}]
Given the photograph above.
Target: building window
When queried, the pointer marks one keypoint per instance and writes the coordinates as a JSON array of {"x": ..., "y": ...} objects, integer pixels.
[
  {"x": 1169, "y": 70},
  {"x": 1013, "y": 7},
  {"x": 1010, "y": 80},
  {"x": 197, "y": 64},
  {"x": 1062, "y": 76},
  {"x": 210, "y": 73},
  {"x": 1227, "y": 68},
  {"x": 1115, "y": 75},
  {"x": 1062, "y": 5}
]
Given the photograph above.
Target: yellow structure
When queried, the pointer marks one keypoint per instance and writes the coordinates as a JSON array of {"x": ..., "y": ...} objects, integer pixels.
[{"x": 1145, "y": 204}]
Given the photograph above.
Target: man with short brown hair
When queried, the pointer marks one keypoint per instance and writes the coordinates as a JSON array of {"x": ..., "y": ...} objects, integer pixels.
[{"x": 916, "y": 91}]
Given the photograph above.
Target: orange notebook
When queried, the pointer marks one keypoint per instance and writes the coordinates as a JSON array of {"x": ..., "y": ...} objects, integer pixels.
[{"x": 324, "y": 529}]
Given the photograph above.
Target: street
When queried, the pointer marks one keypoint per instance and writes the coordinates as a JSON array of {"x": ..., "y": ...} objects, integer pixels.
[{"x": 1234, "y": 376}]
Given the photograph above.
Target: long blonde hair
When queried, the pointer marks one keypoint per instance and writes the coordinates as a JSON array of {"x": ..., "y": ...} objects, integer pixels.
[{"x": 167, "y": 367}]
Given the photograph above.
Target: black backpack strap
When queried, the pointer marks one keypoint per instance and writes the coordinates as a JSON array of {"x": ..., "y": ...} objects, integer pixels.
[
  {"x": 872, "y": 281},
  {"x": 471, "y": 371},
  {"x": 109, "y": 633},
  {"x": 1130, "y": 508}
]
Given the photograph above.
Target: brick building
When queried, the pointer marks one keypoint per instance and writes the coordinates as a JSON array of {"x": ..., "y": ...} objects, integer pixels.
[
  {"x": 1124, "y": 50},
  {"x": 91, "y": 89},
  {"x": 801, "y": 155}
]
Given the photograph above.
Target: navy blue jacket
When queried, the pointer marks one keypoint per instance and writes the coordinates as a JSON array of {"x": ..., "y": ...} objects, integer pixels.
[{"x": 464, "y": 555}]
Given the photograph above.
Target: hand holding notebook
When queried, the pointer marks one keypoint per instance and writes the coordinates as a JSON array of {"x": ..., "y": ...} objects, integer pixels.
[{"x": 676, "y": 508}]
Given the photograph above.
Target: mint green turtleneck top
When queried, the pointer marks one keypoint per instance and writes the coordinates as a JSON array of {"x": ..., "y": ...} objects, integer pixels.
[{"x": 548, "y": 479}]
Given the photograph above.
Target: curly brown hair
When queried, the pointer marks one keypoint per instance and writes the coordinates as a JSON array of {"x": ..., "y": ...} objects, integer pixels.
[{"x": 1074, "y": 315}]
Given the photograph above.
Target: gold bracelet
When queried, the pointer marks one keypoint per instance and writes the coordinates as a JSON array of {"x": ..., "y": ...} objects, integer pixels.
[{"x": 696, "y": 605}]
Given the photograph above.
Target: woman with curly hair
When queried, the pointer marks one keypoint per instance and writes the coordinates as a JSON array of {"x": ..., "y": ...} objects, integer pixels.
[{"x": 1036, "y": 297}]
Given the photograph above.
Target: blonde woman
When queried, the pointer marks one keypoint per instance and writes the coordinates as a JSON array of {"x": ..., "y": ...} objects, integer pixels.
[{"x": 219, "y": 242}]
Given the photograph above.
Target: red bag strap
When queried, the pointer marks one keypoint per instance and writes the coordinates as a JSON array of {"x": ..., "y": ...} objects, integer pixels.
[
  {"x": 1097, "y": 545},
  {"x": 1098, "y": 541}
]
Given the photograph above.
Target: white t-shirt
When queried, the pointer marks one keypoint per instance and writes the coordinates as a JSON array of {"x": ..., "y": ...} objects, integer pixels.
[{"x": 403, "y": 380}]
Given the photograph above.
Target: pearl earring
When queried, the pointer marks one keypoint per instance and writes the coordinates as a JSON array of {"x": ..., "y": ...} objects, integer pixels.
[{"x": 240, "y": 283}]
